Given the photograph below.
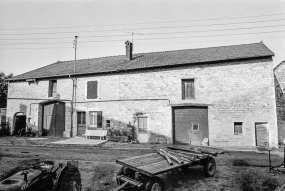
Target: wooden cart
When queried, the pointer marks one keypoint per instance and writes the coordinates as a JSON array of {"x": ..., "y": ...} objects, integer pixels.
[{"x": 141, "y": 172}]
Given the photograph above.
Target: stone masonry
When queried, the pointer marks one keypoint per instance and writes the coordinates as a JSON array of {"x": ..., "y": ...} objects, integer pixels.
[
  {"x": 236, "y": 91},
  {"x": 279, "y": 77}
]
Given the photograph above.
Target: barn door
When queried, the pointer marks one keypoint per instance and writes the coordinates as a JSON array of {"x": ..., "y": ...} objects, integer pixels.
[
  {"x": 261, "y": 130},
  {"x": 54, "y": 119},
  {"x": 182, "y": 126},
  {"x": 190, "y": 125}
]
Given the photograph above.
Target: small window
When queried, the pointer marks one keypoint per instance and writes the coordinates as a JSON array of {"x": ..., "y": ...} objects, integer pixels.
[
  {"x": 188, "y": 91},
  {"x": 195, "y": 127},
  {"x": 95, "y": 119},
  {"x": 108, "y": 123},
  {"x": 237, "y": 128},
  {"x": 142, "y": 124},
  {"x": 92, "y": 90},
  {"x": 52, "y": 88}
]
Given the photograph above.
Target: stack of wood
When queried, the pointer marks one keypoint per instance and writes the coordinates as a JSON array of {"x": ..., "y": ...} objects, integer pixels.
[{"x": 187, "y": 155}]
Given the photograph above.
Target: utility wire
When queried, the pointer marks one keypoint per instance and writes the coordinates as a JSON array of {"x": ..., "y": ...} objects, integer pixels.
[
  {"x": 150, "y": 43},
  {"x": 150, "y": 28},
  {"x": 124, "y": 24},
  {"x": 158, "y": 38},
  {"x": 164, "y": 33}
]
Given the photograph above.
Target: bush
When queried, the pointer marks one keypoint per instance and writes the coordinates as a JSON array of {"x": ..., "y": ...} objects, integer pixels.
[
  {"x": 251, "y": 181},
  {"x": 5, "y": 129}
]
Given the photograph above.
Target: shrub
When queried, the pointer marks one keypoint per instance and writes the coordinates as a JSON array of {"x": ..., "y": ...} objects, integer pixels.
[{"x": 251, "y": 181}]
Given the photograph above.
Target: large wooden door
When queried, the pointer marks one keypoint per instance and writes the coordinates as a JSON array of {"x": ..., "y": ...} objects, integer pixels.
[
  {"x": 81, "y": 123},
  {"x": 261, "y": 131},
  {"x": 190, "y": 125},
  {"x": 54, "y": 119}
]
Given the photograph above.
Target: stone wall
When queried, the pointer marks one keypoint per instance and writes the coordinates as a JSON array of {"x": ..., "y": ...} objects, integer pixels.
[
  {"x": 279, "y": 74},
  {"x": 237, "y": 91}
]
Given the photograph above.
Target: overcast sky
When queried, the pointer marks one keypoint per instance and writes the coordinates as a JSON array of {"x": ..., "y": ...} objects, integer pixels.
[{"x": 35, "y": 33}]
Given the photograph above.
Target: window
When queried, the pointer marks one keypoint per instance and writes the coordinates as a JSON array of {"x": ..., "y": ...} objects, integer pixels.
[
  {"x": 95, "y": 119},
  {"x": 237, "y": 128},
  {"x": 195, "y": 127},
  {"x": 92, "y": 90},
  {"x": 81, "y": 118},
  {"x": 142, "y": 124},
  {"x": 52, "y": 88},
  {"x": 108, "y": 123},
  {"x": 188, "y": 91}
]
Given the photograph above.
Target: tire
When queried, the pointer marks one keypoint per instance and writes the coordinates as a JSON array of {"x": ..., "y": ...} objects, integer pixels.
[
  {"x": 69, "y": 180},
  {"x": 210, "y": 167},
  {"x": 154, "y": 184}
]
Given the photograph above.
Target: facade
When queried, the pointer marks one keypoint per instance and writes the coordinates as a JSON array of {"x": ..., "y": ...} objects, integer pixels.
[
  {"x": 279, "y": 78},
  {"x": 221, "y": 96}
]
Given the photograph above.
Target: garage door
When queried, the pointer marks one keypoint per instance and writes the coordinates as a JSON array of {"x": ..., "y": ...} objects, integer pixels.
[{"x": 190, "y": 125}]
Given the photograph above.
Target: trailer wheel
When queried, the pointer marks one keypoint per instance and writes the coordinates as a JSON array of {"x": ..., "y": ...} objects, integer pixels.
[
  {"x": 154, "y": 184},
  {"x": 210, "y": 167},
  {"x": 68, "y": 180},
  {"x": 119, "y": 182}
]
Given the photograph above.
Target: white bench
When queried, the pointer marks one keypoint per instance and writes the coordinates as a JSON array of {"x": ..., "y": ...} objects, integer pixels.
[{"x": 96, "y": 133}]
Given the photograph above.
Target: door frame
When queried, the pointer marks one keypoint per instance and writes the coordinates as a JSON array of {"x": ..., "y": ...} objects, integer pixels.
[
  {"x": 41, "y": 112},
  {"x": 267, "y": 131},
  {"x": 174, "y": 107}
]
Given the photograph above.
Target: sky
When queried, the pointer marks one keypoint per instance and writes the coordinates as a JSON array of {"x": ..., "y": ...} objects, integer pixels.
[{"x": 36, "y": 33}]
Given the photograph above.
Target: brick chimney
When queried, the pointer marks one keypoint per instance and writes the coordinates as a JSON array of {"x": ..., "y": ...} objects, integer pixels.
[{"x": 129, "y": 50}]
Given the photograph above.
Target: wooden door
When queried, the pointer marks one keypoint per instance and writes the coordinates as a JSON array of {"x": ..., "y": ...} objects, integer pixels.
[
  {"x": 198, "y": 120},
  {"x": 81, "y": 123},
  {"x": 182, "y": 126},
  {"x": 190, "y": 125},
  {"x": 261, "y": 132},
  {"x": 54, "y": 119}
]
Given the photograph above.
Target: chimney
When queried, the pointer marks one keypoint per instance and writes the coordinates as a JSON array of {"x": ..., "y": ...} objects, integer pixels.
[{"x": 129, "y": 50}]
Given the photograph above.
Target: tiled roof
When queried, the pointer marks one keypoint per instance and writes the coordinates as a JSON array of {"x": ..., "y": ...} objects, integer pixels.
[{"x": 149, "y": 60}]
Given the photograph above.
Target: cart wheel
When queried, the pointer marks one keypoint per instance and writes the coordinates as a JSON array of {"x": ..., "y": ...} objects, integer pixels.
[
  {"x": 154, "y": 184},
  {"x": 210, "y": 167},
  {"x": 119, "y": 182}
]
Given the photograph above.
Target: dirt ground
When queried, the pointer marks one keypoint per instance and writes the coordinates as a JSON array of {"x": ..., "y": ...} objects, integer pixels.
[{"x": 236, "y": 170}]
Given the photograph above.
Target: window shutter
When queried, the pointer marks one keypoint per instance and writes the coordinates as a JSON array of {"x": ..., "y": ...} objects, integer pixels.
[
  {"x": 99, "y": 119},
  {"x": 54, "y": 86},
  {"x": 92, "y": 90},
  {"x": 188, "y": 89},
  {"x": 50, "y": 89},
  {"x": 183, "y": 89}
]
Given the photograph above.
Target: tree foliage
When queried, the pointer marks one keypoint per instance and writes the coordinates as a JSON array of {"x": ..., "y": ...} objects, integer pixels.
[{"x": 4, "y": 88}]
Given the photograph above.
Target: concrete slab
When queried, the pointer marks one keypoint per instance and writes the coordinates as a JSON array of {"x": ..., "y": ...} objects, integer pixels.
[{"x": 80, "y": 141}]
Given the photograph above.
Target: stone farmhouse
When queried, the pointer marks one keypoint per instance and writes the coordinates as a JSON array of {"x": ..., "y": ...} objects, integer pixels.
[
  {"x": 221, "y": 96},
  {"x": 279, "y": 77}
]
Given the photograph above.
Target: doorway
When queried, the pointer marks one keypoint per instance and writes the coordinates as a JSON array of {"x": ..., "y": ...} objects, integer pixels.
[
  {"x": 81, "y": 123},
  {"x": 190, "y": 125},
  {"x": 53, "y": 119},
  {"x": 261, "y": 134}
]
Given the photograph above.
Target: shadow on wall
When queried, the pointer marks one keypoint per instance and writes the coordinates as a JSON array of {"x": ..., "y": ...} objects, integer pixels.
[{"x": 280, "y": 109}]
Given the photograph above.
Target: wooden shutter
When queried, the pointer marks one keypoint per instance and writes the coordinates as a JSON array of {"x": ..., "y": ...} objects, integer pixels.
[
  {"x": 54, "y": 86},
  {"x": 50, "y": 89},
  {"x": 99, "y": 119},
  {"x": 188, "y": 89},
  {"x": 91, "y": 89}
]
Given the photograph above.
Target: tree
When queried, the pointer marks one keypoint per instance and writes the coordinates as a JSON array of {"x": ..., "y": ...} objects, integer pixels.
[{"x": 4, "y": 88}]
